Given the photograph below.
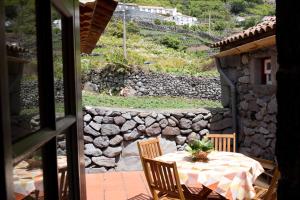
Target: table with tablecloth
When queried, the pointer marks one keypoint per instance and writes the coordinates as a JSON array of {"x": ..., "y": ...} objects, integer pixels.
[
  {"x": 230, "y": 174},
  {"x": 27, "y": 180}
]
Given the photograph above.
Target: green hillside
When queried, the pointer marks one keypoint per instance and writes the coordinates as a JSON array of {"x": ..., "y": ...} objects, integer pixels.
[
  {"x": 223, "y": 12},
  {"x": 154, "y": 50}
]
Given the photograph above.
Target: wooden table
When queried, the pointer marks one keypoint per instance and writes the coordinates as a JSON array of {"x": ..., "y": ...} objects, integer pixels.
[
  {"x": 230, "y": 174},
  {"x": 27, "y": 181}
]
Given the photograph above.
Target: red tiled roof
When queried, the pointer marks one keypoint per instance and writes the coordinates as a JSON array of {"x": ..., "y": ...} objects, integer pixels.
[
  {"x": 94, "y": 17},
  {"x": 265, "y": 28}
]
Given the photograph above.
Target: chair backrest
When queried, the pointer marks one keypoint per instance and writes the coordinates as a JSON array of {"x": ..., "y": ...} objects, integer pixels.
[
  {"x": 272, "y": 190},
  {"x": 163, "y": 177},
  {"x": 223, "y": 142},
  {"x": 64, "y": 183},
  {"x": 149, "y": 148}
]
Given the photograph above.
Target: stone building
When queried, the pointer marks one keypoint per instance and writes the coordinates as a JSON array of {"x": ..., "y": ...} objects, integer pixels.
[{"x": 247, "y": 63}]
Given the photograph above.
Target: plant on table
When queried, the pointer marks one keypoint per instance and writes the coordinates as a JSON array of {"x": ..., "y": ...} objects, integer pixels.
[{"x": 199, "y": 149}]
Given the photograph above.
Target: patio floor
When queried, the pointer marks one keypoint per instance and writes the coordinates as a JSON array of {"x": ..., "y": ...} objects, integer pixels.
[{"x": 117, "y": 186}]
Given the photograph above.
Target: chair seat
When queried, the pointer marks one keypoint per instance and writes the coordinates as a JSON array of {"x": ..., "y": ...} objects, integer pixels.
[{"x": 260, "y": 192}]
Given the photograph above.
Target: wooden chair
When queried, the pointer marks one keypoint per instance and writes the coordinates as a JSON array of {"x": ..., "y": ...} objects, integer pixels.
[
  {"x": 64, "y": 183},
  {"x": 149, "y": 148},
  {"x": 164, "y": 182},
  {"x": 265, "y": 178},
  {"x": 269, "y": 193},
  {"x": 223, "y": 142}
]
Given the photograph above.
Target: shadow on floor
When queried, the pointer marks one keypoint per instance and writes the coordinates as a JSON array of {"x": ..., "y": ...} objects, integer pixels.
[{"x": 141, "y": 197}]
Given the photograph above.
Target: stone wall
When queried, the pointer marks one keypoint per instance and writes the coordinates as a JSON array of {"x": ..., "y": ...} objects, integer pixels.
[
  {"x": 111, "y": 135},
  {"x": 256, "y": 103},
  {"x": 140, "y": 83}
]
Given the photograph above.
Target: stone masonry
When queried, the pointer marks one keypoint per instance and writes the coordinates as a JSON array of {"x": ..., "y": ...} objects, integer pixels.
[{"x": 111, "y": 135}]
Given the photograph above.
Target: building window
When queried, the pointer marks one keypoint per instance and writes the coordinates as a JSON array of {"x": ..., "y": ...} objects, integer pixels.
[{"x": 266, "y": 77}]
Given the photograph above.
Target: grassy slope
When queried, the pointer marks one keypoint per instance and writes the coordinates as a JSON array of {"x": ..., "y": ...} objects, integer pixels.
[
  {"x": 101, "y": 100},
  {"x": 145, "y": 47}
]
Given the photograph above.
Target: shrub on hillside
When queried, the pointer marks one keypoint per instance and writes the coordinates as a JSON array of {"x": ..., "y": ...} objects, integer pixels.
[
  {"x": 133, "y": 28},
  {"x": 238, "y": 6},
  {"x": 251, "y": 21},
  {"x": 170, "y": 42},
  {"x": 157, "y": 22}
]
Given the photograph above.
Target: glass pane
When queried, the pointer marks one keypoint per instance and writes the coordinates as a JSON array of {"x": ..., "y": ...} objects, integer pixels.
[
  {"x": 28, "y": 178},
  {"x": 62, "y": 166},
  {"x": 58, "y": 64},
  {"x": 20, "y": 29}
]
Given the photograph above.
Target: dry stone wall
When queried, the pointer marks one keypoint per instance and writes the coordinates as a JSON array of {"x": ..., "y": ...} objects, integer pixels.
[
  {"x": 140, "y": 83},
  {"x": 111, "y": 136}
]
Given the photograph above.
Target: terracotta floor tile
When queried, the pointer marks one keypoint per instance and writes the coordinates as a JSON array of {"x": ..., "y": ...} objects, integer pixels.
[{"x": 117, "y": 186}]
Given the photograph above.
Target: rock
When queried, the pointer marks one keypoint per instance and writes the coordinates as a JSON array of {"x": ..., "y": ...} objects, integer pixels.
[
  {"x": 198, "y": 118},
  {"x": 100, "y": 111},
  {"x": 110, "y": 129},
  {"x": 116, "y": 140},
  {"x": 149, "y": 121},
  {"x": 199, "y": 125},
  {"x": 174, "y": 119},
  {"x": 89, "y": 149},
  {"x": 204, "y": 132},
  {"x": 126, "y": 116},
  {"x": 261, "y": 102},
  {"x": 141, "y": 128},
  {"x": 95, "y": 126},
  {"x": 114, "y": 114},
  {"x": 144, "y": 114},
  {"x": 260, "y": 140},
  {"x": 171, "y": 131},
  {"x": 154, "y": 115},
  {"x": 90, "y": 87},
  {"x": 87, "y": 118},
  {"x": 98, "y": 119},
  {"x": 248, "y": 131},
  {"x": 220, "y": 125},
  {"x": 171, "y": 122},
  {"x": 163, "y": 123},
  {"x": 272, "y": 106},
  {"x": 186, "y": 132},
  {"x": 177, "y": 115},
  {"x": 185, "y": 123},
  {"x": 132, "y": 135},
  {"x": 207, "y": 117},
  {"x": 104, "y": 161},
  {"x": 263, "y": 130},
  {"x": 93, "y": 170},
  {"x": 138, "y": 120},
  {"x": 216, "y": 117},
  {"x": 119, "y": 120},
  {"x": 61, "y": 152},
  {"x": 108, "y": 120},
  {"x": 89, "y": 130},
  {"x": 62, "y": 144},
  {"x": 168, "y": 146},
  {"x": 160, "y": 117},
  {"x": 153, "y": 130},
  {"x": 88, "y": 139},
  {"x": 244, "y": 79},
  {"x": 128, "y": 125},
  {"x": 180, "y": 140},
  {"x": 87, "y": 161},
  {"x": 112, "y": 152},
  {"x": 190, "y": 115},
  {"x": 101, "y": 141},
  {"x": 244, "y": 105},
  {"x": 193, "y": 136}
]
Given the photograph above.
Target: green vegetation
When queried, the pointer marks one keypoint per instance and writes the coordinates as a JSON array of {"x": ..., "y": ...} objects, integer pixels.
[
  {"x": 222, "y": 12},
  {"x": 91, "y": 99},
  {"x": 151, "y": 50},
  {"x": 204, "y": 145}
]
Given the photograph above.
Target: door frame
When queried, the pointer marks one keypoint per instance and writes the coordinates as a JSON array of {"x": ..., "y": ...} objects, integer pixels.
[{"x": 71, "y": 124}]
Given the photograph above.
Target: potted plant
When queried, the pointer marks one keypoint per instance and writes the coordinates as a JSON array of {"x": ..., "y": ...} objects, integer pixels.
[{"x": 199, "y": 149}]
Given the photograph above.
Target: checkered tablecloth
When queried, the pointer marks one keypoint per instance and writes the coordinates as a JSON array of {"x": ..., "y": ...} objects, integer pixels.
[{"x": 230, "y": 174}]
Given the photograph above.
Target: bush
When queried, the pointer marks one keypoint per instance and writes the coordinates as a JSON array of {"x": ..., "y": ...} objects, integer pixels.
[
  {"x": 238, "y": 6},
  {"x": 249, "y": 22},
  {"x": 133, "y": 28},
  {"x": 170, "y": 42},
  {"x": 157, "y": 22}
]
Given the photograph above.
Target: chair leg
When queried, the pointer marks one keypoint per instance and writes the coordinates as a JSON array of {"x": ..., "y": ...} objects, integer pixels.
[{"x": 154, "y": 194}]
